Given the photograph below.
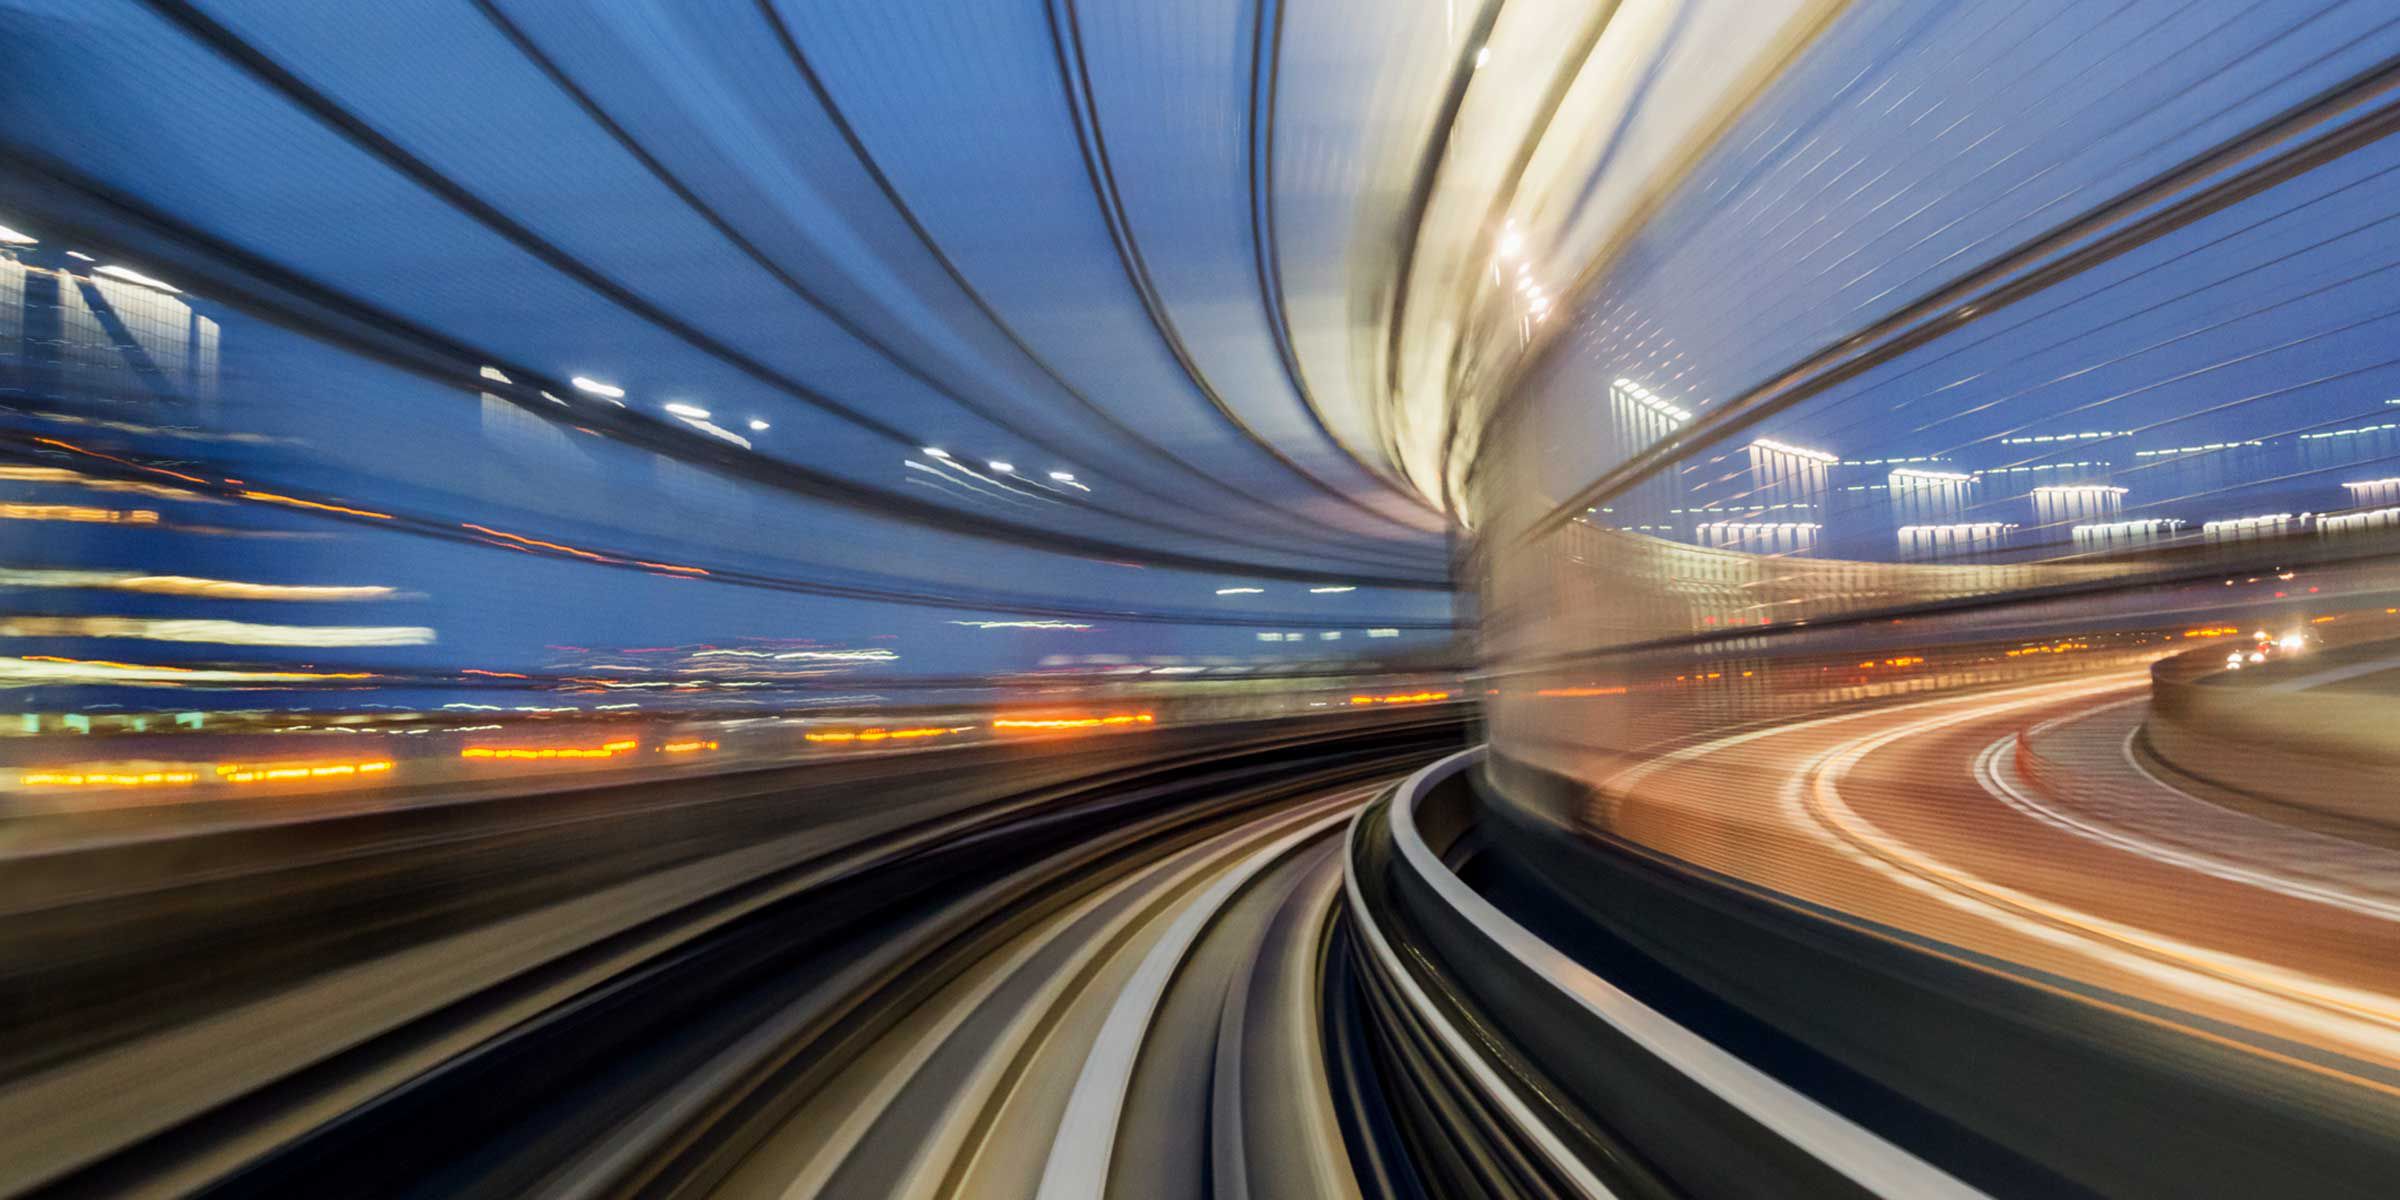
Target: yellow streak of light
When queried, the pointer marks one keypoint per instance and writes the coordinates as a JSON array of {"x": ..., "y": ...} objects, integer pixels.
[
  {"x": 106, "y": 778},
  {"x": 879, "y": 734},
  {"x": 296, "y": 502},
  {"x": 518, "y": 537},
  {"x": 224, "y": 633},
  {"x": 81, "y": 514},
  {"x": 79, "y": 479},
  {"x": 49, "y": 668},
  {"x": 286, "y": 772},
  {"x": 1072, "y": 722},
  {"x": 605, "y": 750}
]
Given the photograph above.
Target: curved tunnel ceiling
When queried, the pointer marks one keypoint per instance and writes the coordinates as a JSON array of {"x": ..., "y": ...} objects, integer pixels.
[
  {"x": 1017, "y": 236},
  {"x": 1213, "y": 262}
]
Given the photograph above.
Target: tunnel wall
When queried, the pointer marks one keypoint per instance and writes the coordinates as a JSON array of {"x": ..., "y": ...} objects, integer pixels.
[
  {"x": 2321, "y": 752},
  {"x": 1940, "y": 356}
]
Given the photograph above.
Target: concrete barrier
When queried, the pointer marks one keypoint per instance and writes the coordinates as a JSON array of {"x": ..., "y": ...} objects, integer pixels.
[{"x": 2329, "y": 752}]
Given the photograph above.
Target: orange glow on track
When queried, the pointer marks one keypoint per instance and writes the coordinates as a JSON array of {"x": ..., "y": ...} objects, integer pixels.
[
  {"x": 880, "y": 734},
  {"x": 296, "y": 502},
  {"x": 127, "y": 666},
  {"x": 516, "y": 537},
  {"x": 2212, "y": 631},
  {"x": 1038, "y": 723},
  {"x": 47, "y": 441},
  {"x": 1581, "y": 691},
  {"x": 81, "y": 514},
  {"x": 528, "y": 753},
  {"x": 106, "y": 778},
  {"x": 2054, "y": 648},
  {"x": 286, "y": 772},
  {"x": 687, "y": 747},
  {"x": 1401, "y": 698}
]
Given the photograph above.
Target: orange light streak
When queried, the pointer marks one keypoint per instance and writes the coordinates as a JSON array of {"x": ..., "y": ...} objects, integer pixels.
[
  {"x": 264, "y": 676},
  {"x": 82, "y": 514},
  {"x": 525, "y": 753},
  {"x": 296, "y": 502},
  {"x": 124, "y": 461},
  {"x": 1581, "y": 691},
  {"x": 687, "y": 747},
  {"x": 2057, "y": 648},
  {"x": 106, "y": 779},
  {"x": 1072, "y": 722},
  {"x": 515, "y": 537},
  {"x": 264, "y": 773},
  {"x": 879, "y": 733},
  {"x": 1401, "y": 698}
]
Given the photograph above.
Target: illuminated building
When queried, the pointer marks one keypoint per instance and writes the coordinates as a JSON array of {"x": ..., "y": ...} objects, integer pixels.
[
  {"x": 2126, "y": 535},
  {"x": 2374, "y": 493},
  {"x": 2258, "y": 528},
  {"x": 1960, "y": 539},
  {"x": 1760, "y": 537},
  {"x": 1922, "y": 497},
  {"x": 2075, "y": 504}
]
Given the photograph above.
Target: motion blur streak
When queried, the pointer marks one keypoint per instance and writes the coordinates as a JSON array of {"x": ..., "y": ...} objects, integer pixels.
[
  {"x": 288, "y": 772},
  {"x": 1401, "y": 698},
  {"x": 184, "y": 585},
  {"x": 1179, "y": 599},
  {"x": 1043, "y": 723},
  {"x": 229, "y": 633},
  {"x": 604, "y": 750}
]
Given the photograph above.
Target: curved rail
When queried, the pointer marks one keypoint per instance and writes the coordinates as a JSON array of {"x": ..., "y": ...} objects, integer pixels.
[
  {"x": 1783, "y": 1134},
  {"x": 1108, "y": 987}
]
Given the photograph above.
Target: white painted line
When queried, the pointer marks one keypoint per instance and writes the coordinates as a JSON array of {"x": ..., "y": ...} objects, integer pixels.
[
  {"x": 1087, "y": 1131},
  {"x": 1994, "y": 771},
  {"x": 1833, "y": 1139},
  {"x": 1462, "y": 1051},
  {"x": 2365, "y": 1022}
]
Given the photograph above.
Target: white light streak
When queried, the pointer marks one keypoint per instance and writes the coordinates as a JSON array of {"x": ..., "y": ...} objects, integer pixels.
[
  {"x": 1022, "y": 624},
  {"x": 1788, "y": 448},
  {"x": 597, "y": 388},
  {"x": 215, "y": 632},
  {"x": 129, "y": 275},
  {"x": 718, "y": 431}
]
